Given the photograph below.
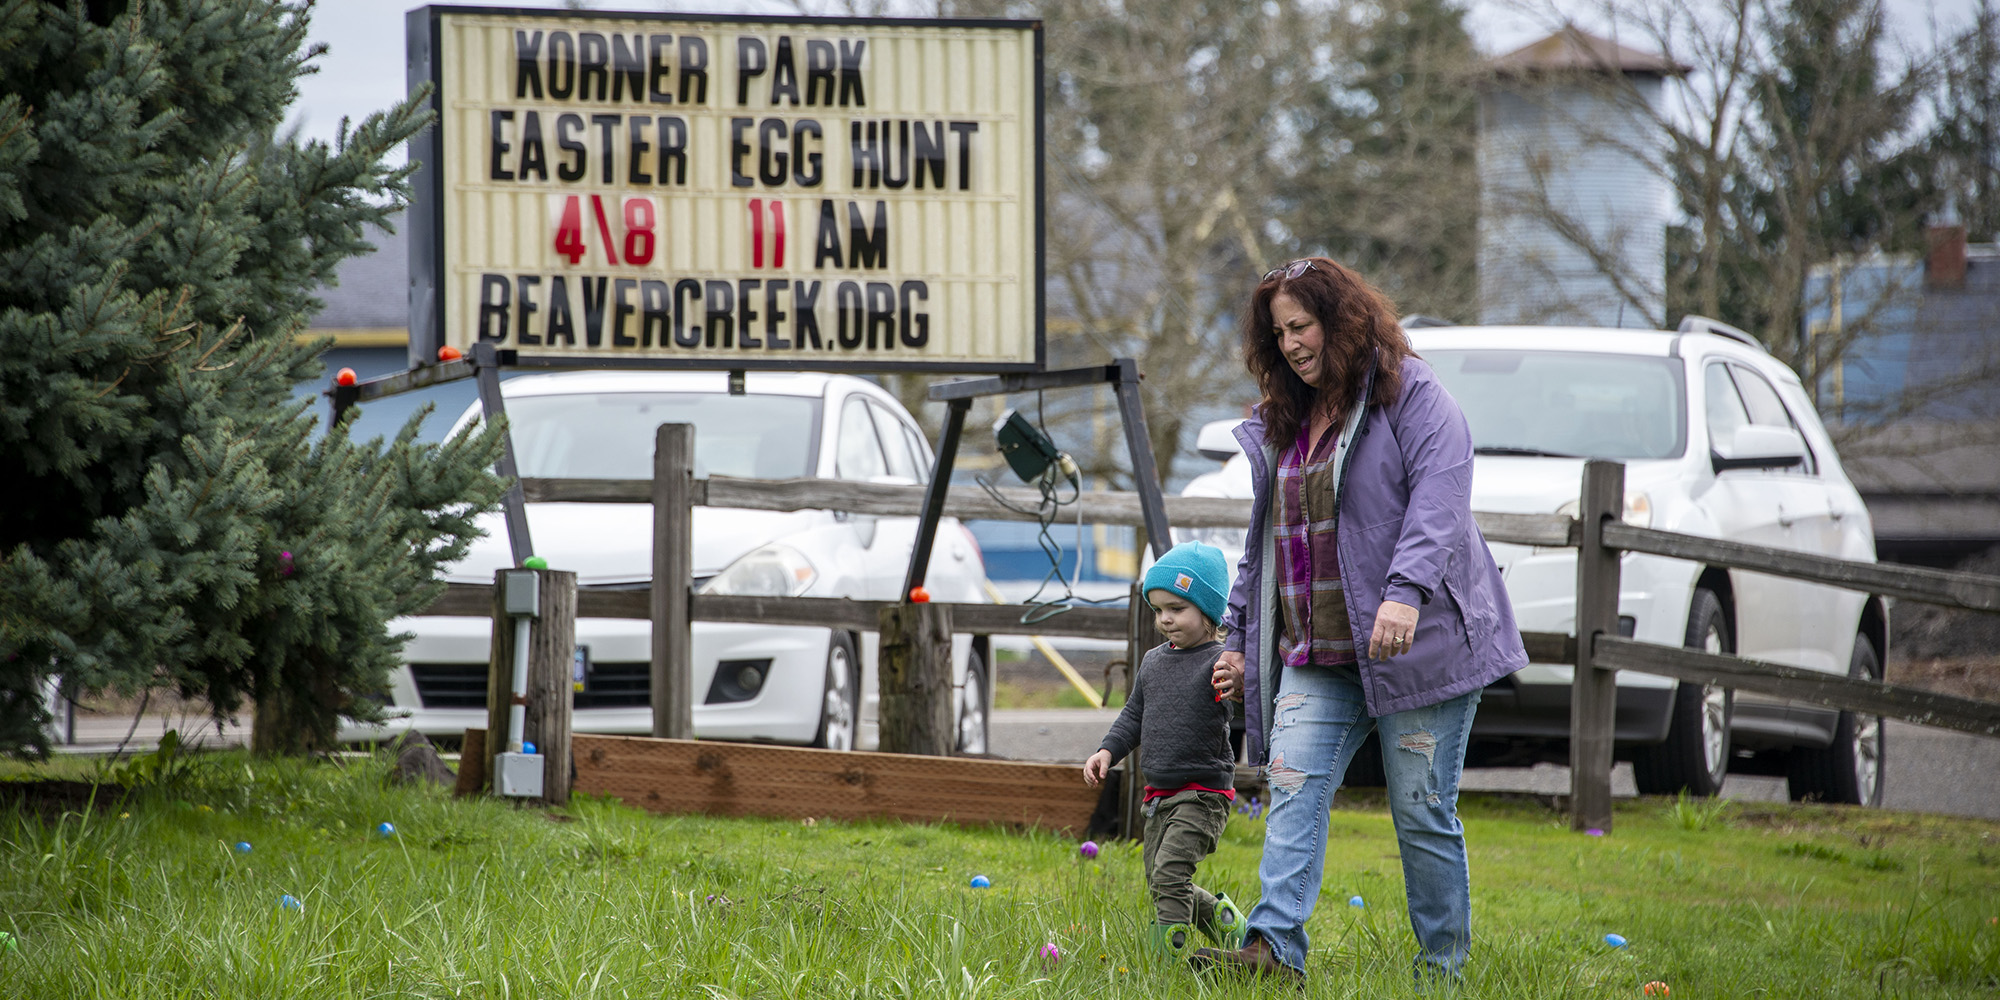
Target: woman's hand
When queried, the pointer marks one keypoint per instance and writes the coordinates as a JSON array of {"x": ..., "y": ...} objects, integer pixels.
[
  {"x": 1395, "y": 627},
  {"x": 1096, "y": 768},
  {"x": 1228, "y": 676}
]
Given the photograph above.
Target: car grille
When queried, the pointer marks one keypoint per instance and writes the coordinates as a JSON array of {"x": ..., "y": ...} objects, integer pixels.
[
  {"x": 617, "y": 685},
  {"x": 463, "y": 685},
  {"x": 450, "y": 685}
]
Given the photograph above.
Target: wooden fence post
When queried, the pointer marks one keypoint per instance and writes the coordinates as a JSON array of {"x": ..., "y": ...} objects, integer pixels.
[
  {"x": 551, "y": 656},
  {"x": 1593, "y": 704},
  {"x": 673, "y": 573},
  {"x": 1139, "y": 637},
  {"x": 914, "y": 668}
]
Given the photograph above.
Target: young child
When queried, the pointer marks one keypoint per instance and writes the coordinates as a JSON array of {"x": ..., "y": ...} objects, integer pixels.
[{"x": 1189, "y": 768}]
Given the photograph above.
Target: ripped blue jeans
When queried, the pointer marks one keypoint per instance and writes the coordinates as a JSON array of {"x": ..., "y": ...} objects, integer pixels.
[{"x": 1320, "y": 721}]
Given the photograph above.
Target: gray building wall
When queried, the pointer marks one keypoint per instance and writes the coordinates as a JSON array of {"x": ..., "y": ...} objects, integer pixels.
[{"x": 1571, "y": 214}]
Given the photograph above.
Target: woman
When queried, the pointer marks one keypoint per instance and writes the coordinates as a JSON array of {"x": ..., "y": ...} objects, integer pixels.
[{"x": 1366, "y": 599}]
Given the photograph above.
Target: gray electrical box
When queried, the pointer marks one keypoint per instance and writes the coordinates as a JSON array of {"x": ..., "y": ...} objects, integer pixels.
[
  {"x": 524, "y": 593},
  {"x": 518, "y": 775}
]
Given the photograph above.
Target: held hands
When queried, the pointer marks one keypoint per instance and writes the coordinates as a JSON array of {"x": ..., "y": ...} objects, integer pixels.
[
  {"x": 1096, "y": 768},
  {"x": 1228, "y": 676},
  {"x": 1395, "y": 626}
]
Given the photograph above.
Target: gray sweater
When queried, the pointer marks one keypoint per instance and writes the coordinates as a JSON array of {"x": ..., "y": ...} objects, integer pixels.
[{"x": 1173, "y": 714}]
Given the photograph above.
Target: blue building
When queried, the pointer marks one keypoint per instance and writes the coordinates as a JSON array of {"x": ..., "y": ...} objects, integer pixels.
[{"x": 1914, "y": 400}]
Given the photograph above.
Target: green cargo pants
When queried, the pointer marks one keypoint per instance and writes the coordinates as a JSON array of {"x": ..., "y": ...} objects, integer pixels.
[{"x": 1180, "y": 831}]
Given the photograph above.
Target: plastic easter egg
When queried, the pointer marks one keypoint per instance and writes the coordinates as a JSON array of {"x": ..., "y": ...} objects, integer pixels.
[
  {"x": 1088, "y": 849},
  {"x": 7, "y": 942},
  {"x": 534, "y": 562},
  {"x": 1615, "y": 940},
  {"x": 1655, "y": 989},
  {"x": 527, "y": 748},
  {"x": 981, "y": 882},
  {"x": 449, "y": 353},
  {"x": 1593, "y": 832},
  {"x": 386, "y": 829},
  {"x": 1051, "y": 954},
  {"x": 1356, "y": 901},
  {"x": 290, "y": 902},
  {"x": 345, "y": 376},
  {"x": 242, "y": 847}
]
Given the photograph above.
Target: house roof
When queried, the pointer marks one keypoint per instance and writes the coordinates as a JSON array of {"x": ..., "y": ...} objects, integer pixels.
[{"x": 1573, "y": 50}]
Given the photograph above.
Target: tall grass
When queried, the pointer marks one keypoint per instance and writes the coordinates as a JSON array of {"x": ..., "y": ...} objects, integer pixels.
[{"x": 146, "y": 897}]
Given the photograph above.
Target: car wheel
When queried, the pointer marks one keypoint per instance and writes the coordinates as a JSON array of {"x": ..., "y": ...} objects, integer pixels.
[
  {"x": 1849, "y": 770},
  {"x": 839, "y": 706},
  {"x": 1695, "y": 756},
  {"x": 972, "y": 707}
]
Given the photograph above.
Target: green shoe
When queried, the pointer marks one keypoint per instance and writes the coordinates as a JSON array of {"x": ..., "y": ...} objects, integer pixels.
[
  {"x": 1170, "y": 944},
  {"x": 1231, "y": 925}
]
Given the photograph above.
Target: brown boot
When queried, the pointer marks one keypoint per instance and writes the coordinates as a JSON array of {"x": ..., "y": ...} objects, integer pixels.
[{"x": 1254, "y": 958}]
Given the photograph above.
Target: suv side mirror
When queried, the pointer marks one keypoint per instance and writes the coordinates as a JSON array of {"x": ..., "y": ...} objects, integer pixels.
[
  {"x": 1758, "y": 446},
  {"x": 1217, "y": 440}
]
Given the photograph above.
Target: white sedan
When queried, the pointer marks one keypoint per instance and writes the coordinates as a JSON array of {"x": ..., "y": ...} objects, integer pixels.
[
  {"x": 776, "y": 683},
  {"x": 1719, "y": 439}
]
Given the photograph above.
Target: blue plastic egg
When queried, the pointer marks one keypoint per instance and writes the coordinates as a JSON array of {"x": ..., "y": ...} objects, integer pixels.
[
  {"x": 527, "y": 748},
  {"x": 386, "y": 829},
  {"x": 1355, "y": 901},
  {"x": 290, "y": 902},
  {"x": 1614, "y": 940},
  {"x": 242, "y": 847},
  {"x": 981, "y": 882}
]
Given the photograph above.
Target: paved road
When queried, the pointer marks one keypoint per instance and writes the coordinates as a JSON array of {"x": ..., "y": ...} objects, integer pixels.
[
  {"x": 1928, "y": 770},
  {"x": 106, "y": 733}
]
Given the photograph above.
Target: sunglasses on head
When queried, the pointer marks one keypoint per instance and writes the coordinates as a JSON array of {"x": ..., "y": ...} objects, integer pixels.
[{"x": 1292, "y": 270}]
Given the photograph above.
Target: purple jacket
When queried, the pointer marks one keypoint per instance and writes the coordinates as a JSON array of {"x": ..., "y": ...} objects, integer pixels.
[{"x": 1406, "y": 534}]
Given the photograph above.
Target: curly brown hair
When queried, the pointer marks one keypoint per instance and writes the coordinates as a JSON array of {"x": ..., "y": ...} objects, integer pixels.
[{"x": 1356, "y": 322}]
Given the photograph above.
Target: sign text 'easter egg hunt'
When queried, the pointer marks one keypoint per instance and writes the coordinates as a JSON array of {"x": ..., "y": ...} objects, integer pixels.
[{"x": 729, "y": 192}]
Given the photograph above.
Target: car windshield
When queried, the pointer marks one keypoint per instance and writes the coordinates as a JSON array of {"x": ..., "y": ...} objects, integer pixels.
[
  {"x": 610, "y": 435},
  {"x": 1567, "y": 403}
]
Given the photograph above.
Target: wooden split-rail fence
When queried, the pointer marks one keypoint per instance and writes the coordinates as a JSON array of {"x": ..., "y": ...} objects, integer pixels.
[{"x": 915, "y": 714}]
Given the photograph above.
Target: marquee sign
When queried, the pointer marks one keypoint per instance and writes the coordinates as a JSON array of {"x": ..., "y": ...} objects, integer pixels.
[{"x": 728, "y": 192}]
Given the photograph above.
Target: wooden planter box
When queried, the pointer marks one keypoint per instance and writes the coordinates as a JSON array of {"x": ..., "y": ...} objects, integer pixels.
[{"x": 737, "y": 779}]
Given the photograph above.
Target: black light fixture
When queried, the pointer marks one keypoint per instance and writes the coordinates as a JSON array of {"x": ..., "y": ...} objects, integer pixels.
[{"x": 1028, "y": 451}]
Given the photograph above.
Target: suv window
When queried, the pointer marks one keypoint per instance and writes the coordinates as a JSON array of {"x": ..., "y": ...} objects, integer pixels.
[
  {"x": 1725, "y": 407},
  {"x": 919, "y": 451},
  {"x": 857, "y": 455},
  {"x": 610, "y": 435},
  {"x": 1567, "y": 403},
  {"x": 901, "y": 462},
  {"x": 1768, "y": 410}
]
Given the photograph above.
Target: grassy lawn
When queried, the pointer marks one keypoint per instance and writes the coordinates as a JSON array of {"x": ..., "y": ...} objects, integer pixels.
[{"x": 148, "y": 897}]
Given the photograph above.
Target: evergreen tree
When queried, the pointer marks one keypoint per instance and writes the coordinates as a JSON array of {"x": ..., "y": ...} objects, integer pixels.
[{"x": 170, "y": 518}]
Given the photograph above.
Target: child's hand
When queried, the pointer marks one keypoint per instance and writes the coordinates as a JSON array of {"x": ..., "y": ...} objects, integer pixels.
[
  {"x": 1228, "y": 676},
  {"x": 1096, "y": 768}
]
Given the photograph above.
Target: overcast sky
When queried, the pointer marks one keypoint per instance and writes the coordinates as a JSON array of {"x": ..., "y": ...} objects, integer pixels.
[{"x": 362, "y": 71}]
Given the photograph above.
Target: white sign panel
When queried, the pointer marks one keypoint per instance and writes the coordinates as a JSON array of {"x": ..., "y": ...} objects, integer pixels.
[{"x": 679, "y": 191}]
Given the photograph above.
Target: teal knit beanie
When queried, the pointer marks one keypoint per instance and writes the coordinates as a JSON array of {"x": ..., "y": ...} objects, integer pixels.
[{"x": 1195, "y": 571}]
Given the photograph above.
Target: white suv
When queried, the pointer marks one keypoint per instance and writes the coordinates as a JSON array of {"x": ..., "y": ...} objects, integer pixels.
[
  {"x": 1718, "y": 439},
  {"x": 778, "y": 683}
]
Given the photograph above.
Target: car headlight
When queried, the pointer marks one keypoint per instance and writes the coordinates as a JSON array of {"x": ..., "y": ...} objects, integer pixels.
[
  {"x": 773, "y": 570},
  {"x": 1638, "y": 509}
]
